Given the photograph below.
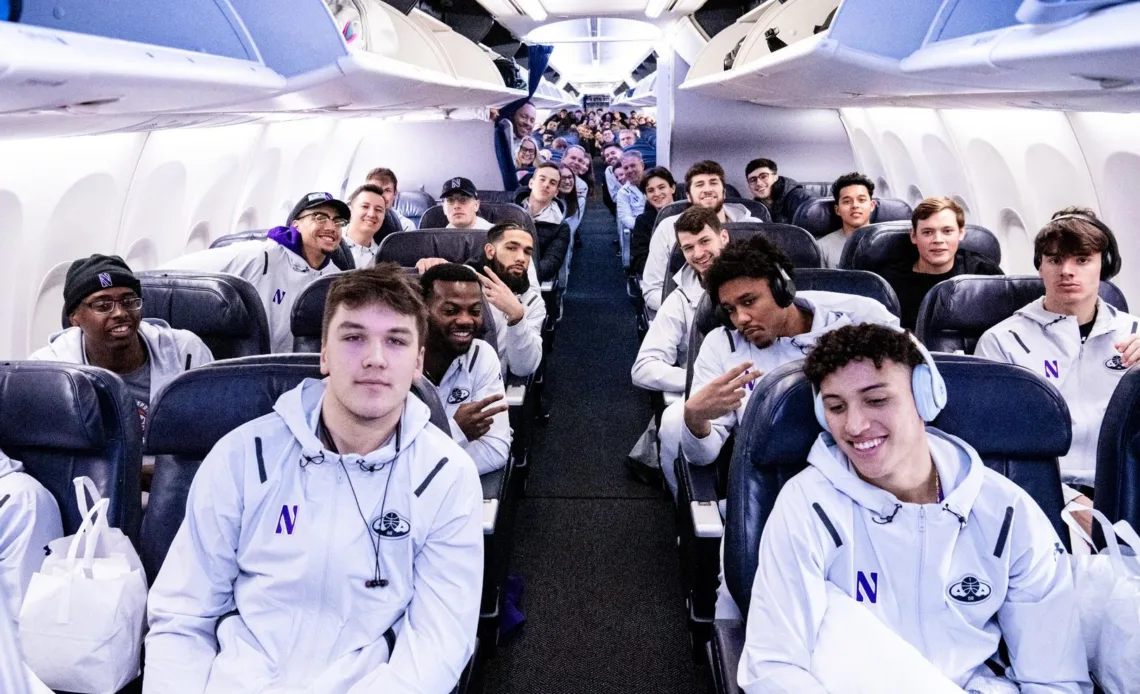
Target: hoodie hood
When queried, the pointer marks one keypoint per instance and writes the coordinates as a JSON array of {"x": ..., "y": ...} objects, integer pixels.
[
  {"x": 290, "y": 239},
  {"x": 8, "y": 466},
  {"x": 736, "y": 212},
  {"x": 960, "y": 472},
  {"x": 67, "y": 345},
  {"x": 300, "y": 409}
]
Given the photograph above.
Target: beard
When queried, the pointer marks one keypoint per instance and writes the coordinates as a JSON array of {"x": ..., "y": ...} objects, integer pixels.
[{"x": 517, "y": 285}]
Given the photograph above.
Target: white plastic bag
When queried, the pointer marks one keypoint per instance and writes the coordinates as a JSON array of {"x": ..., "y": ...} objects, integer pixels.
[
  {"x": 81, "y": 624},
  {"x": 856, "y": 653},
  {"x": 1108, "y": 595}
]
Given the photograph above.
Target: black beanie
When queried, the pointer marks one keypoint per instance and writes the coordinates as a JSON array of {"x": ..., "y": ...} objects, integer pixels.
[{"x": 89, "y": 275}]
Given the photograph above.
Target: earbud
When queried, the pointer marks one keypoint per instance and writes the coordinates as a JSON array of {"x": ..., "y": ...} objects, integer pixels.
[{"x": 374, "y": 583}]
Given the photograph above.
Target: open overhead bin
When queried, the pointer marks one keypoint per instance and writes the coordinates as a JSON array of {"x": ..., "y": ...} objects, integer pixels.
[
  {"x": 549, "y": 96},
  {"x": 122, "y": 59},
  {"x": 471, "y": 64},
  {"x": 362, "y": 55}
]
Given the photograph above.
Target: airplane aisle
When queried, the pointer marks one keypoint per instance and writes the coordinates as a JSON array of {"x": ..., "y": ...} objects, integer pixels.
[{"x": 603, "y": 599}]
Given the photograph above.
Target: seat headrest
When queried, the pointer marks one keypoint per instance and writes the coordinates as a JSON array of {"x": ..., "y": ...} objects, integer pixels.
[
  {"x": 56, "y": 405},
  {"x": 453, "y": 245},
  {"x": 957, "y": 311},
  {"x": 857, "y": 282},
  {"x": 426, "y": 392},
  {"x": 1118, "y": 454},
  {"x": 818, "y": 189},
  {"x": 239, "y": 237},
  {"x": 497, "y": 197},
  {"x": 671, "y": 210},
  {"x": 233, "y": 395},
  {"x": 797, "y": 243},
  {"x": 882, "y": 244},
  {"x": 225, "y": 311},
  {"x": 493, "y": 212},
  {"x": 413, "y": 203},
  {"x": 818, "y": 214},
  {"x": 730, "y": 191},
  {"x": 891, "y": 210},
  {"x": 755, "y": 208}
]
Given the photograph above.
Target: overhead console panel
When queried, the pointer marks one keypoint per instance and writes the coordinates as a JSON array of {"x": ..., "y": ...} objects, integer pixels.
[{"x": 934, "y": 53}]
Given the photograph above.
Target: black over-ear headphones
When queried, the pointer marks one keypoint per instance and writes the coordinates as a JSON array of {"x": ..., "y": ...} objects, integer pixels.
[
  {"x": 1109, "y": 257},
  {"x": 783, "y": 293}
]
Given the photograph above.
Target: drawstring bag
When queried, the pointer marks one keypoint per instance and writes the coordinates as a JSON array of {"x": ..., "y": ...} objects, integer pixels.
[
  {"x": 1108, "y": 596},
  {"x": 81, "y": 624}
]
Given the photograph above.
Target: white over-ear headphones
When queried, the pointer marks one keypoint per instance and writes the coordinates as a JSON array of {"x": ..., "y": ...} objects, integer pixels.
[{"x": 926, "y": 383}]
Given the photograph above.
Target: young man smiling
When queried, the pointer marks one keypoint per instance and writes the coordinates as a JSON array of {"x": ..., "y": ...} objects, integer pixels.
[
  {"x": 854, "y": 205},
  {"x": 887, "y": 495},
  {"x": 368, "y": 205},
  {"x": 283, "y": 265},
  {"x": 336, "y": 544}
]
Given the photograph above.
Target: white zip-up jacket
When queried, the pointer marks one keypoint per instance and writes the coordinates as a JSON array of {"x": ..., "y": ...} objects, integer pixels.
[
  {"x": 264, "y": 586},
  {"x": 723, "y": 349},
  {"x": 664, "y": 353},
  {"x": 520, "y": 345},
  {"x": 471, "y": 377},
  {"x": 279, "y": 274},
  {"x": 29, "y": 520},
  {"x": 952, "y": 579},
  {"x": 170, "y": 351},
  {"x": 1049, "y": 344},
  {"x": 630, "y": 202},
  {"x": 661, "y": 247}
]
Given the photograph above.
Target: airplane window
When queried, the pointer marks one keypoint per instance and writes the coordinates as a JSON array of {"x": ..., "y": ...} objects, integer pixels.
[
  {"x": 914, "y": 195},
  {"x": 961, "y": 203},
  {"x": 199, "y": 238},
  {"x": 882, "y": 188}
]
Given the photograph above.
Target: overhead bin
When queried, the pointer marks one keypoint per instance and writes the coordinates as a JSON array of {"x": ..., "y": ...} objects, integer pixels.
[
  {"x": 360, "y": 55},
  {"x": 643, "y": 94},
  {"x": 549, "y": 96},
  {"x": 103, "y": 57}
]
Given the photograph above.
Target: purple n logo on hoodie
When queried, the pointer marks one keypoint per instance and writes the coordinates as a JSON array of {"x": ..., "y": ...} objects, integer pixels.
[{"x": 287, "y": 520}]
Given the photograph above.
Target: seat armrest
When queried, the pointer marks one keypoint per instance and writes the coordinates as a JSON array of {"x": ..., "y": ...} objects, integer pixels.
[
  {"x": 490, "y": 515},
  {"x": 725, "y": 651},
  {"x": 516, "y": 388},
  {"x": 494, "y": 491},
  {"x": 547, "y": 286},
  {"x": 671, "y": 398},
  {"x": 699, "y": 482}
]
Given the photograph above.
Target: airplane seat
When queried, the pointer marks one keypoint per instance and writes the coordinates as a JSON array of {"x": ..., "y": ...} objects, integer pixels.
[
  {"x": 671, "y": 210},
  {"x": 883, "y": 244},
  {"x": 818, "y": 214},
  {"x": 730, "y": 191},
  {"x": 957, "y": 311},
  {"x": 309, "y": 311},
  {"x": 779, "y": 428},
  {"x": 413, "y": 203},
  {"x": 225, "y": 311},
  {"x": 493, "y": 212},
  {"x": 819, "y": 189},
  {"x": 857, "y": 282},
  {"x": 64, "y": 421},
  {"x": 239, "y": 237},
  {"x": 453, "y": 245},
  {"x": 1118, "y": 455},
  {"x": 891, "y": 210},
  {"x": 756, "y": 208},
  {"x": 800, "y": 246},
  {"x": 497, "y": 197}
]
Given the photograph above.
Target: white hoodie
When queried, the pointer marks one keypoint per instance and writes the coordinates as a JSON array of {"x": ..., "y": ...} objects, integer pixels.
[
  {"x": 278, "y": 274},
  {"x": 661, "y": 247},
  {"x": 29, "y": 520},
  {"x": 664, "y": 353},
  {"x": 951, "y": 579},
  {"x": 273, "y": 535},
  {"x": 471, "y": 377},
  {"x": 723, "y": 349},
  {"x": 1049, "y": 344},
  {"x": 520, "y": 345},
  {"x": 170, "y": 351}
]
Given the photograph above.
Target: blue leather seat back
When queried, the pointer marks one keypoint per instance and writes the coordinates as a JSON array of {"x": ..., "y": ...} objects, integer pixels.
[
  {"x": 413, "y": 203},
  {"x": 493, "y": 212},
  {"x": 496, "y": 196},
  {"x": 64, "y": 421},
  {"x": 224, "y": 310},
  {"x": 779, "y": 428},
  {"x": 819, "y": 189},
  {"x": 453, "y": 245},
  {"x": 309, "y": 311},
  {"x": 880, "y": 245},
  {"x": 818, "y": 214},
  {"x": 957, "y": 311},
  {"x": 857, "y": 282},
  {"x": 756, "y": 209},
  {"x": 671, "y": 210},
  {"x": 1118, "y": 455}
]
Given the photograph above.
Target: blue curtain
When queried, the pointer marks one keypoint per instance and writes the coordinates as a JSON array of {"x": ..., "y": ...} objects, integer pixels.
[{"x": 538, "y": 58}]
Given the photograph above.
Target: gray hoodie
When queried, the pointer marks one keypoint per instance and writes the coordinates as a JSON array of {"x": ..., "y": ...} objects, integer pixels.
[{"x": 29, "y": 519}]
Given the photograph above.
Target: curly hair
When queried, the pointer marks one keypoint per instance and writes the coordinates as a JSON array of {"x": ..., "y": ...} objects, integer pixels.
[
  {"x": 841, "y": 346},
  {"x": 756, "y": 258},
  {"x": 851, "y": 179}
]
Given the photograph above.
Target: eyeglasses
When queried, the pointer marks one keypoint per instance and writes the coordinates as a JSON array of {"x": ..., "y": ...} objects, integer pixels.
[
  {"x": 321, "y": 218},
  {"x": 132, "y": 304},
  {"x": 759, "y": 177}
]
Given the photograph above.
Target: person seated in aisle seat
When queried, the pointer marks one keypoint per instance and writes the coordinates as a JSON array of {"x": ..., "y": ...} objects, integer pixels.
[
  {"x": 461, "y": 205},
  {"x": 1071, "y": 337},
  {"x": 102, "y": 299},
  {"x": 385, "y": 180},
  {"x": 766, "y": 323},
  {"x": 660, "y": 189},
  {"x": 877, "y": 459},
  {"x": 284, "y": 264},
  {"x": 664, "y": 353},
  {"x": 630, "y": 200},
  {"x": 627, "y": 139},
  {"x": 29, "y": 520},
  {"x": 540, "y": 203},
  {"x": 780, "y": 194},
  {"x": 936, "y": 228},
  {"x": 368, "y": 206},
  {"x": 335, "y": 544},
  {"x": 854, "y": 204},
  {"x": 704, "y": 186},
  {"x": 464, "y": 370},
  {"x": 611, "y": 154}
]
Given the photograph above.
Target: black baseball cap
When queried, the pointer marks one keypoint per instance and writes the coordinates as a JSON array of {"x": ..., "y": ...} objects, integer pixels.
[
  {"x": 459, "y": 185},
  {"x": 318, "y": 200}
]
